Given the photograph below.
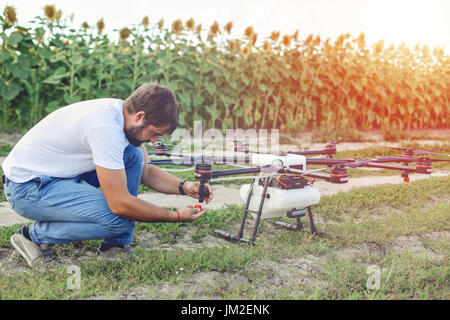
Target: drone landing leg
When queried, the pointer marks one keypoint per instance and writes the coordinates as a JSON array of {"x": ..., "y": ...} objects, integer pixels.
[
  {"x": 239, "y": 237},
  {"x": 259, "y": 213},
  {"x": 291, "y": 226},
  {"x": 299, "y": 227}
]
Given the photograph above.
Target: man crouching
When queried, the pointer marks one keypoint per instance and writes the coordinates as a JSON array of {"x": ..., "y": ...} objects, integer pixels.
[{"x": 53, "y": 174}]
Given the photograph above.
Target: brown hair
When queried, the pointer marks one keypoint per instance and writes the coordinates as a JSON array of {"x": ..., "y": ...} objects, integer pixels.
[{"x": 159, "y": 104}]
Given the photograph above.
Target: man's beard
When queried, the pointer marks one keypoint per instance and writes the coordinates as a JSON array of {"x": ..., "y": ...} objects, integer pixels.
[{"x": 132, "y": 133}]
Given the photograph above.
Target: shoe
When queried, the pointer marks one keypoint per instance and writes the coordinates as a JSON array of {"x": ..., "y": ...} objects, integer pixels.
[
  {"x": 32, "y": 252},
  {"x": 115, "y": 253}
]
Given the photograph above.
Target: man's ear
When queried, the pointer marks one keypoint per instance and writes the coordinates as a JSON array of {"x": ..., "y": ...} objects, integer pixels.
[{"x": 139, "y": 116}]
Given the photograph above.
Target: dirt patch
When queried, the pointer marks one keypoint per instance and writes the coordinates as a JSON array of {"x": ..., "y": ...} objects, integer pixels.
[
  {"x": 200, "y": 286},
  {"x": 11, "y": 263},
  {"x": 151, "y": 240},
  {"x": 263, "y": 278},
  {"x": 421, "y": 245},
  {"x": 363, "y": 249},
  {"x": 10, "y": 138},
  {"x": 289, "y": 272}
]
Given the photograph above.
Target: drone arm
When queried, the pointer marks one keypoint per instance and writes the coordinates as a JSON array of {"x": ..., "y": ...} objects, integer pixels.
[
  {"x": 231, "y": 172},
  {"x": 338, "y": 174},
  {"x": 391, "y": 166},
  {"x": 178, "y": 162},
  {"x": 330, "y": 149},
  {"x": 327, "y": 161},
  {"x": 305, "y": 153},
  {"x": 319, "y": 175}
]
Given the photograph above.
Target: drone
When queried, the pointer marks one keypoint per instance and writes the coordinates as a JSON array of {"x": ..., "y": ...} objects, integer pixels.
[{"x": 281, "y": 185}]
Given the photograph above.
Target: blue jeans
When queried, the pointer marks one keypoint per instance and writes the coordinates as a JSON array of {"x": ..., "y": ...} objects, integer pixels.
[{"x": 74, "y": 209}]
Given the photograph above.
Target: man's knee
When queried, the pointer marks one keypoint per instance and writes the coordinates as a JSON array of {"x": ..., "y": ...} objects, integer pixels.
[
  {"x": 133, "y": 155},
  {"x": 119, "y": 225}
]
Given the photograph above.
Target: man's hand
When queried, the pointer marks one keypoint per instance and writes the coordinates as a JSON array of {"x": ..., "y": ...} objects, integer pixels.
[
  {"x": 192, "y": 189},
  {"x": 189, "y": 214}
]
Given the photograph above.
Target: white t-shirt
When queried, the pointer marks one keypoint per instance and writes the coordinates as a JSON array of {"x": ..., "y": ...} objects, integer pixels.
[{"x": 70, "y": 141}]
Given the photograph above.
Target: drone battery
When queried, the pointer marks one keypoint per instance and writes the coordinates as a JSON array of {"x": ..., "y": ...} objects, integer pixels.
[
  {"x": 296, "y": 213},
  {"x": 278, "y": 202},
  {"x": 286, "y": 182}
]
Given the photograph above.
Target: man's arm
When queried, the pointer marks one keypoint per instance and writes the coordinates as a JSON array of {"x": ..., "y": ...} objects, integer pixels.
[
  {"x": 122, "y": 203},
  {"x": 157, "y": 179},
  {"x": 161, "y": 181}
]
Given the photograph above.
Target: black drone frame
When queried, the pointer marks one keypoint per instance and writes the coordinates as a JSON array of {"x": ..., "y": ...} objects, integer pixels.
[
  {"x": 204, "y": 174},
  {"x": 338, "y": 173}
]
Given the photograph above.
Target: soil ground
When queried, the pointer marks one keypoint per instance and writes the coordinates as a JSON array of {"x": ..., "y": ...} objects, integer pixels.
[{"x": 276, "y": 274}]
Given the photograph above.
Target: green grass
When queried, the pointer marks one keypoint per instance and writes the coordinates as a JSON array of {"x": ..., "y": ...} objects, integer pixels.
[
  {"x": 369, "y": 217},
  {"x": 379, "y": 199},
  {"x": 403, "y": 276},
  {"x": 5, "y": 149},
  {"x": 103, "y": 277}
]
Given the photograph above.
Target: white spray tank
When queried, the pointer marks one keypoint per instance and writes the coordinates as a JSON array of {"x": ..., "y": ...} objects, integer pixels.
[{"x": 279, "y": 201}]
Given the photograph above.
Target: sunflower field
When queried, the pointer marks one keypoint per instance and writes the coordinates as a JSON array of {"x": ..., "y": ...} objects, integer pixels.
[{"x": 280, "y": 81}]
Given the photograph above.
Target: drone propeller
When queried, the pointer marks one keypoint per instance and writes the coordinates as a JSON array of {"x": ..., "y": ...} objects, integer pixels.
[
  {"x": 363, "y": 162},
  {"x": 411, "y": 151},
  {"x": 193, "y": 160},
  {"x": 410, "y": 159}
]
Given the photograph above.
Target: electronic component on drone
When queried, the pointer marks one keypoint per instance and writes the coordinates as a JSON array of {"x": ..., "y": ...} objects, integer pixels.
[{"x": 280, "y": 185}]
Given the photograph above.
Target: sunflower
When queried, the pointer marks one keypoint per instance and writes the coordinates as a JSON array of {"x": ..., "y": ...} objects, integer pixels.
[
  {"x": 286, "y": 40},
  {"x": 10, "y": 15},
  {"x": 214, "y": 29},
  {"x": 267, "y": 47},
  {"x": 85, "y": 26},
  {"x": 177, "y": 27},
  {"x": 161, "y": 23},
  {"x": 228, "y": 27},
  {"x": 190, "y": 24},
  {"x": 145, "y": 21},
  {"x": 100, "y": 25},
  {"x": 50, "y": 12},
  {"x": 124, "y": 33},
  {"x": 275, "y": 35},
  {"x": 246, "y": 51},
  {"x": 249, "y": 32}
]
